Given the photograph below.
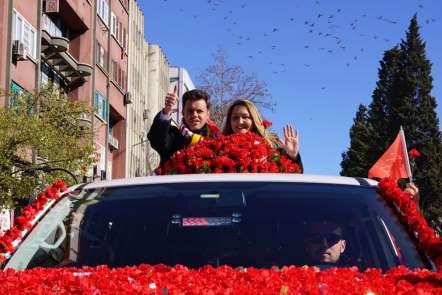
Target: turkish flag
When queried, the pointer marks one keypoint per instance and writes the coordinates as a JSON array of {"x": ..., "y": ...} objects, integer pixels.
[{"x": 394, "y": 162}]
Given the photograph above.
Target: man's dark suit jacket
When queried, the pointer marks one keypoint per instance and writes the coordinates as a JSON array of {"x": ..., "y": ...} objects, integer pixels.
[{"x": 167, "y": 139}]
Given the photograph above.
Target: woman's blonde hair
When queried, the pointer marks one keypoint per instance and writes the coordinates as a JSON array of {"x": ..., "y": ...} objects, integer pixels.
[{"x": 257, "y": 124}]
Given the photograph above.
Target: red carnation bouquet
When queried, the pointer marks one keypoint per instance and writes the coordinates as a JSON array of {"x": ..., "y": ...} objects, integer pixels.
[{"x": 237, "y": 153}]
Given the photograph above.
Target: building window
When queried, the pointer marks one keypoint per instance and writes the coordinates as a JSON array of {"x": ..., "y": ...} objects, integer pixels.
[
  {"x": 103, "y": 11},
  {"x": 15, "y": 101},
  {"x": 45, "y": 72},
  {"x": 48, "y": 74},
  {"x": 114, "y": 22},
  {"x": 124, "y": 40},
  {"x": 101, "y": 56},
  {"x": 50, "y": 27},
  {"x": 101, "y": 106},
  {"x": 16, "y": 89},
  {"x": 25, "y": 32},
  {"x": 118, "y": 75},
  {"x": 114, "y": 70},
  {"x": 118, "y": 31}
]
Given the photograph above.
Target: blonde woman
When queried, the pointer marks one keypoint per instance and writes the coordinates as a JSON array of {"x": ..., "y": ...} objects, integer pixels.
[{"x": 243, "y": 116}]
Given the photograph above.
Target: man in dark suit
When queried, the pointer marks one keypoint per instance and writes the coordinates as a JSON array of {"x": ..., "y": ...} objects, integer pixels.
[{"x": 167, "y": 138}]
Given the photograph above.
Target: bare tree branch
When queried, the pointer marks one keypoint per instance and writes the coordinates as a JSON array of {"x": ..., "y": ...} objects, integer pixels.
[{"x": 225, "y": 83}]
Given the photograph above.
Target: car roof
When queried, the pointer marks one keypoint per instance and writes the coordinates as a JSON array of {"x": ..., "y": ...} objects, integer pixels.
[{"x": 233, "y": 177}]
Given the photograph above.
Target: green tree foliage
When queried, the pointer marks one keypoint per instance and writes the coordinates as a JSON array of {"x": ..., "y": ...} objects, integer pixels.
[
  {"x": 403, "y": 98},
  {"x": 37, "y": 131},
  {"x": 355, "y": 160},
  {"x": 368, "y": 133},
  {"x": 422, "y": 123},
  {"x": 378, "y": 114}
]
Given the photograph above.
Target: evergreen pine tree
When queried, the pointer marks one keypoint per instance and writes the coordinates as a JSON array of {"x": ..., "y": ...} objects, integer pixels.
[
  {"x": 421, "y": 123},
  {"x": 378, "y": 113},
  {"x": 368, "y": 135},
  {"x": 354, "y": 161},
  {"x": 403, "y": 98}
]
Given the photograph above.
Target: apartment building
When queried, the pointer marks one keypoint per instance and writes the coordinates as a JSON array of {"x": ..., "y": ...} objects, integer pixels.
[
  {"x": 158, "y": 87},
  {"x": 81, "y": 46},
  {"x": 95, "y": 51},
  {"x": 180, "y": 78},
  {"x": 138, "y": 148},
  {"x": 111, "y": 96}
]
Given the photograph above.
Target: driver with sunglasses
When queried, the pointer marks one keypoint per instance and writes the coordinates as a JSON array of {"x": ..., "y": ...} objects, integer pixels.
[{"x": 324, "y": 242}]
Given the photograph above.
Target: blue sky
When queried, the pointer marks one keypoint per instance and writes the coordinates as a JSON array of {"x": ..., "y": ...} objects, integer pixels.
[{"x": 319, "y": 58}]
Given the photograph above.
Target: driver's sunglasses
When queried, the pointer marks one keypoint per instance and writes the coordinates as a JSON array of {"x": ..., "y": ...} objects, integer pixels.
[{"x": 331, "y": 238}]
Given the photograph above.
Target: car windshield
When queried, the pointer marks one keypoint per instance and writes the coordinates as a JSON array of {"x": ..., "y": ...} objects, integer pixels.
[{"x": 235, "y": 223}]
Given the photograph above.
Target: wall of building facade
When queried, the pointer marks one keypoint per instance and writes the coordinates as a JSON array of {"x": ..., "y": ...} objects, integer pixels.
[
  {"x": 121, "y": 75},
  {"x": 180, "y": 78},
  {"x": 137, "y": 112},
  {"x": 158, "y": 82},
  {"x": 111, "y": 67},
  {"x": 82, "y": 48},
  {"x": 25, "y": 22},
  {"x": 158, "y": 87},
  {"x": 4, "y": 46},
  {"x": 82, "y": 45}
]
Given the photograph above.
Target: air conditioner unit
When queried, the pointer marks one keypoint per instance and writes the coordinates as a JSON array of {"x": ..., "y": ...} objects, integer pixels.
[
  {"x": 85, "y": 121},
  {"x": 19, "y": 50},
  {"x": 127, "y": 98},
  {"x": 145, "y": 114}
]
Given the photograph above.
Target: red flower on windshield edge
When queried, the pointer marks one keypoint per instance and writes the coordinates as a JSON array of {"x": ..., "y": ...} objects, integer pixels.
[
  {"x": 414, "y": 153},
  {"x": 266, "y": 123},
  {"x": 427, "y": 240},
  {"x": 28, "y": 214}
]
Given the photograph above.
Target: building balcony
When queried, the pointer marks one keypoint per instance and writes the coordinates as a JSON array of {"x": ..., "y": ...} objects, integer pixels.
[
  {"x": 113, "y": 142},
  {"x": 55, "y": 54}
]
